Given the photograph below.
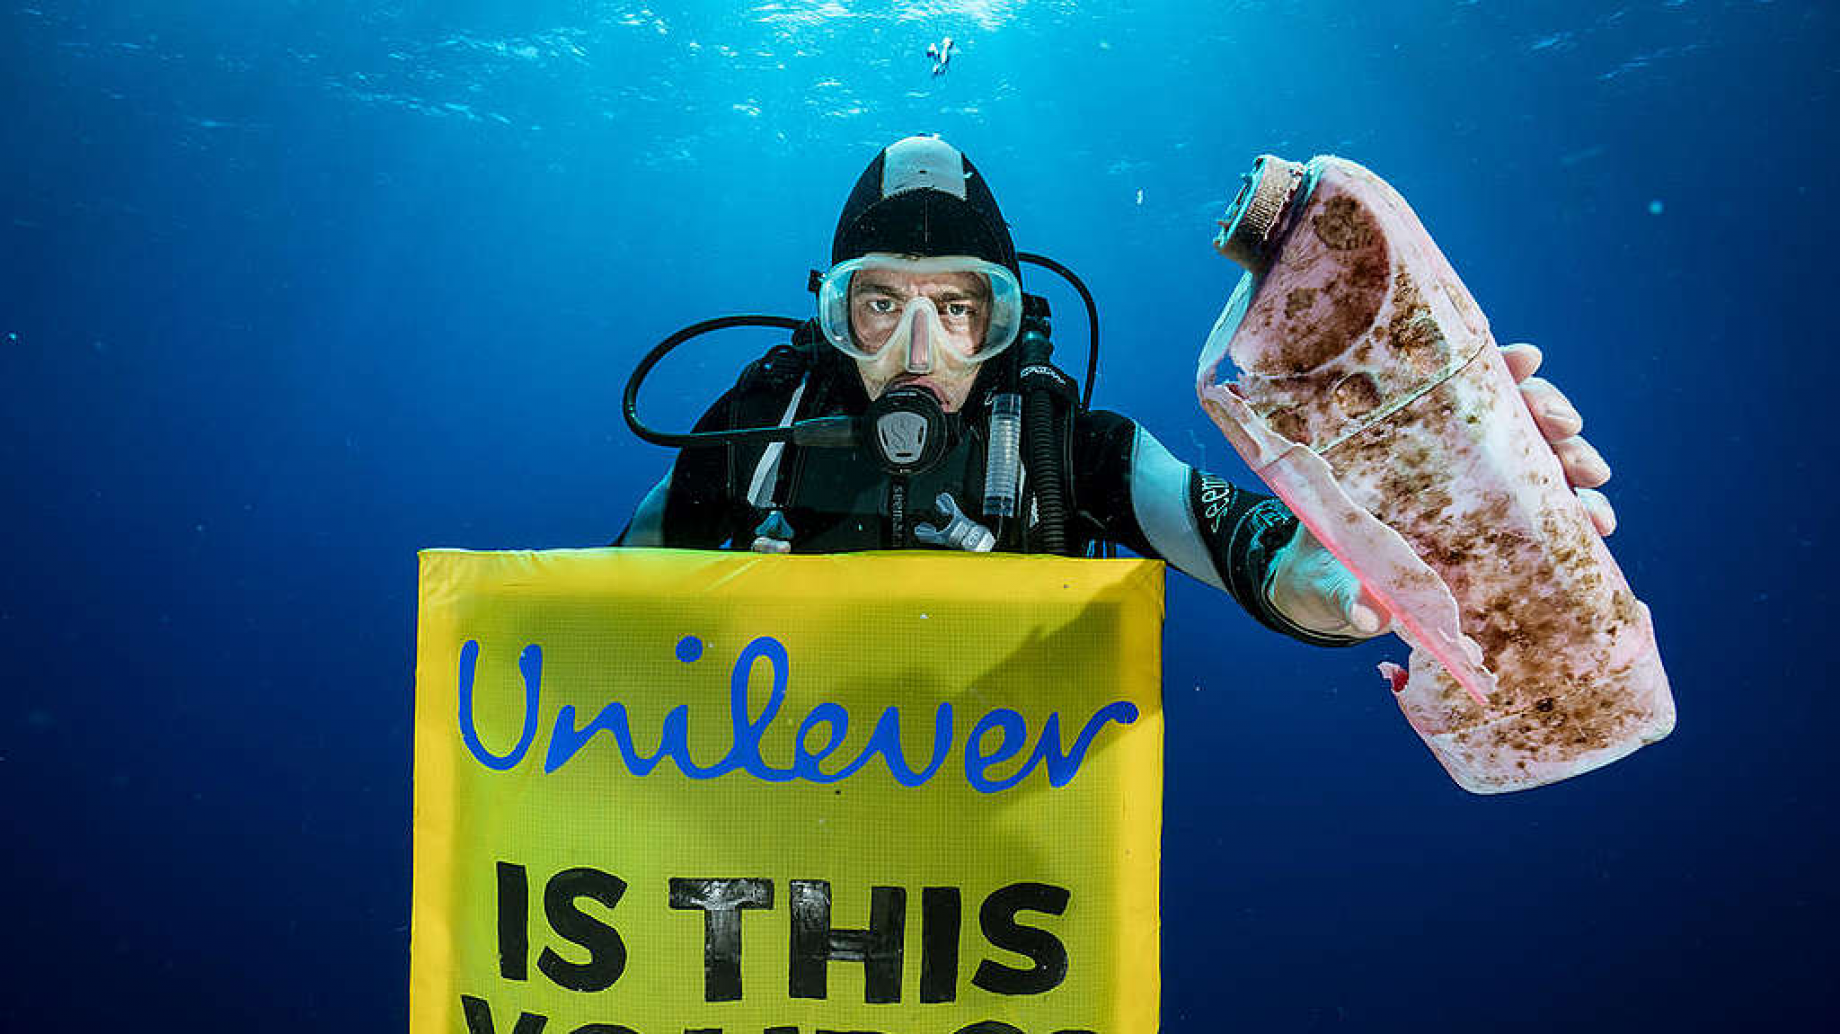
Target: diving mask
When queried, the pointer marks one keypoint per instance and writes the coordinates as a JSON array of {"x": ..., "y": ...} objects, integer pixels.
[{"x": 920, "y": 307}]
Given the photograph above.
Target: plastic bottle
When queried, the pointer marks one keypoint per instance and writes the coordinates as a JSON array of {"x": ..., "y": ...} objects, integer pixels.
[{"x": 1371, "y": 397}]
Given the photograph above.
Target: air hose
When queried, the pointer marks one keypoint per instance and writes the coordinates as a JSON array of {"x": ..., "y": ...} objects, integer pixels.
[{"x": 1041, "y": 382}]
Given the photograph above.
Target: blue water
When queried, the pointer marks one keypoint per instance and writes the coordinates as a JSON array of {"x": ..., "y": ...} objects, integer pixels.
[{"x": 292, "y": 290}]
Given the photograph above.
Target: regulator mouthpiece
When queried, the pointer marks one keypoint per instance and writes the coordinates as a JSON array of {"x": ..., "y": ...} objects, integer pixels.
[{"x": 905, "y": 431}]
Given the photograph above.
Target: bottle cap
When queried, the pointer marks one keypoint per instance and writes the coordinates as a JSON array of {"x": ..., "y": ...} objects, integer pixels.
[{"x": 1246, "y": 228}]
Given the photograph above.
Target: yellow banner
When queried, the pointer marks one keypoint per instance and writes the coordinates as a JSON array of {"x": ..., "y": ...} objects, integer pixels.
[{"x": 661, "y": 791}]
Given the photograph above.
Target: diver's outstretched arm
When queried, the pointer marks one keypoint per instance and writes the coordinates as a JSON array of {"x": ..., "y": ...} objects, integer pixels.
[
  {"x": 647, "y": 525},
  {"x": 1134, "y": 492}
]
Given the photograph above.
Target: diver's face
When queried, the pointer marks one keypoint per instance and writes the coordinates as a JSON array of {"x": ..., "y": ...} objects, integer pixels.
[{"x": 942, "y": 332}]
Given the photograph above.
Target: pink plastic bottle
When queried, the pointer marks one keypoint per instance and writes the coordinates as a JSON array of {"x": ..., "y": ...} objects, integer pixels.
[{"x": 1371, "y": 397}]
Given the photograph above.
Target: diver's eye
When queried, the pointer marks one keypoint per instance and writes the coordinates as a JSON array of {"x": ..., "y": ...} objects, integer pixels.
[
  {"x": 961, "y": 310},
  {"x": 880, "y": 306}
]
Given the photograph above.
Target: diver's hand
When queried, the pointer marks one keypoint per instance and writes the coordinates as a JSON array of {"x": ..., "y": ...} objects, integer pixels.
[
  {"x": 1308, "y": 585},
  {"x": 1560, "y": 423}
]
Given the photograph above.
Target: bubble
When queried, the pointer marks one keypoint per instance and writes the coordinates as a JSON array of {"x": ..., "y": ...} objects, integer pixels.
[
  {"x": 689, "y": 648},
  {"x": 1655, "y": 207}
]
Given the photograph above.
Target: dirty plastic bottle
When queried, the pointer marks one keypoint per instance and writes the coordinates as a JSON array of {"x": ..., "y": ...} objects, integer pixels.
[{"x": 1371, "y": 397}]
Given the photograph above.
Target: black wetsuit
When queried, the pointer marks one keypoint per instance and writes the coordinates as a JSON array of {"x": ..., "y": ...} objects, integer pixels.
[{"x": 1125, "y": 488}]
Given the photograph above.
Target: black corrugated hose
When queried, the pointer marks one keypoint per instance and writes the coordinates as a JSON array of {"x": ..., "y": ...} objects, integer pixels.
[{"x": 1040, "y": 383}]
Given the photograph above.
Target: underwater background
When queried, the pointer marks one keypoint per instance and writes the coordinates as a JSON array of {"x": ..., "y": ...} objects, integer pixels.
[{"x": 292, "y": 290}]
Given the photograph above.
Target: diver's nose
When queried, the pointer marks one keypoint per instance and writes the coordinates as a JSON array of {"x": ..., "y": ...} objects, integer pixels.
[{"x": 920, "y": 345}]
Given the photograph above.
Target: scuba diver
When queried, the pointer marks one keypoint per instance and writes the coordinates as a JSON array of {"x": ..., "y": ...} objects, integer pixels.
[
  {"x": 941, "y": 53},
  {"x": 920, "y": 408}
]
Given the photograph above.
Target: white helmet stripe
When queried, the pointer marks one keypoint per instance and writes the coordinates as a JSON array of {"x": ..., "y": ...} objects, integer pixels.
[{"x": 920, "y": 162}]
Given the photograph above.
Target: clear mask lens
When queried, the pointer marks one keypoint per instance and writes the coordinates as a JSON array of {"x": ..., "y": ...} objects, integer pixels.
[{"x": 965, "y": 306}]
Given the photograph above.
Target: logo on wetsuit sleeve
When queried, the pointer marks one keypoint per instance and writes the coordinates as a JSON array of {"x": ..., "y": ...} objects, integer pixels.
[{"x": 1216, "y": 499}]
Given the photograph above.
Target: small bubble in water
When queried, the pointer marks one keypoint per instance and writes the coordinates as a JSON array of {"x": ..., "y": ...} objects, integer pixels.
[
  {"x": 11, "y": 336},
  {"x": 1655, "y": 207}
]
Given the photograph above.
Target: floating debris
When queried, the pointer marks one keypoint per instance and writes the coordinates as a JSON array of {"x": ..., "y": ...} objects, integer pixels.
[{"x": 941, "y": 53}]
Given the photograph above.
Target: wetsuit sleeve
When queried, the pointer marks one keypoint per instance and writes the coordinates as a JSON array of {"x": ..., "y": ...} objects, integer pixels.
[
  {"x": 1137, "y": 494},
  {"x": 647, "y": 525}
]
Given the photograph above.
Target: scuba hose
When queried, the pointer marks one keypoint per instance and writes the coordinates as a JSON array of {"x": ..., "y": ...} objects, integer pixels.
[
  {"x": 1043, "y": 434},
  {"x": 824, "y": 431},
  {"x": 1042, "y": 381},
  {"x": 1044, "y": 456},
  {"x": 1092, "y": 318}
]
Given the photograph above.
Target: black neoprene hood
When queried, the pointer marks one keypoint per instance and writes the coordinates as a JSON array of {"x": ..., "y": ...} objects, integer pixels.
[{"x": 921, "y": 196}]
